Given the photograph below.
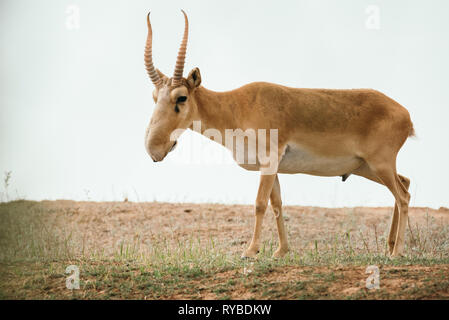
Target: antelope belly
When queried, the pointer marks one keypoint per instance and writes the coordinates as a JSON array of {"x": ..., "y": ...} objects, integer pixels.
[{"x": 297, "y": 159}]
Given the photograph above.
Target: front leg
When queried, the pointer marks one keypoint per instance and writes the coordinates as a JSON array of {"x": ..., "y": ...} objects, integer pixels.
[
  {"x": 265, "y": 187},
  {"x": 276, "y": 204}
]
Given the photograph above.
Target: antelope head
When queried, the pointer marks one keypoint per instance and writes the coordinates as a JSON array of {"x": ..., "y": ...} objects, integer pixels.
[{"x": 175, "y": 106}]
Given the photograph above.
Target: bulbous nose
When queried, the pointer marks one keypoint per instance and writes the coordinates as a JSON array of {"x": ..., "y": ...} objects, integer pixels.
[
  {"x": 157, "y": 150},
  {"x": 153, "y": 155},
  {"x": 156, "y": 158}
]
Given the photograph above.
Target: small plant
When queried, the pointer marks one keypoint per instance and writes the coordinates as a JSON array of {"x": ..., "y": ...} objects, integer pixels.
[
  {"x": 6, "y": 181},
  {"x": 87, "y": 194}
]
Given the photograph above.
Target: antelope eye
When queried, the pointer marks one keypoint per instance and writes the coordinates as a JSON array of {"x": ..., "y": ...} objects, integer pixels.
[{"x": 181, "y": 99}]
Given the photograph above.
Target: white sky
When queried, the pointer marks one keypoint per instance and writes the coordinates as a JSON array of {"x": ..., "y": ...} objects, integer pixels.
[{"x": 74, "y": 104}]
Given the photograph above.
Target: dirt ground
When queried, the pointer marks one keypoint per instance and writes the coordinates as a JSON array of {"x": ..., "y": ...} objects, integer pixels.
[
  {"x": 104, "y": 224},
  {"x": 156, "y": 250}
]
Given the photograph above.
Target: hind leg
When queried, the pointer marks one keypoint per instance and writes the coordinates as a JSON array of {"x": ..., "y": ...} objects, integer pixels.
[
  {"x": 401, "y": 182},
  {"x": 394, "y": 225},
  {"x": 385, "y": 170},
  {"x": 394, "y": 231},
  {"x": 403, "y": 218},
  {"x": 366, "y": 172}
]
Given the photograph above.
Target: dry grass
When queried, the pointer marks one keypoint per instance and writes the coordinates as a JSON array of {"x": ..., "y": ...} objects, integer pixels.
[{"x": 123, "y": 246}]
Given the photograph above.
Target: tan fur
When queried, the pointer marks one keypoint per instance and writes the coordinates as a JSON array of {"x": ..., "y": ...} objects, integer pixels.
[{"x": 320, "y": 132}]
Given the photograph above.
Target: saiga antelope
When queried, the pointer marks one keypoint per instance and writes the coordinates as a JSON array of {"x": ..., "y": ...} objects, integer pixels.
[{"x": 320, "y": 132}]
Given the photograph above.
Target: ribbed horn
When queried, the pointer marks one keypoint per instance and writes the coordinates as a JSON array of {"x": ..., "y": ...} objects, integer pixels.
[
  {"x": 179, "y": 67},
  {"x": 154, "y": 76}
]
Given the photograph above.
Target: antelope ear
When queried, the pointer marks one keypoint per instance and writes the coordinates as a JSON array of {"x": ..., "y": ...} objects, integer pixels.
[
  {"x": 161, "y": 75},
  {"x": 194, "y": 78}
]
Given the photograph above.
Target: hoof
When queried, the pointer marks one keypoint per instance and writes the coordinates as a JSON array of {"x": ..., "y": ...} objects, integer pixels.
[
  {"x": 390, "y": 248},
  {"x": 397, "y": 250},
  {"x": 279, "y": 253},
  {"x": 250, "y": 254},
  {"x": 396, "y": 254}
]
